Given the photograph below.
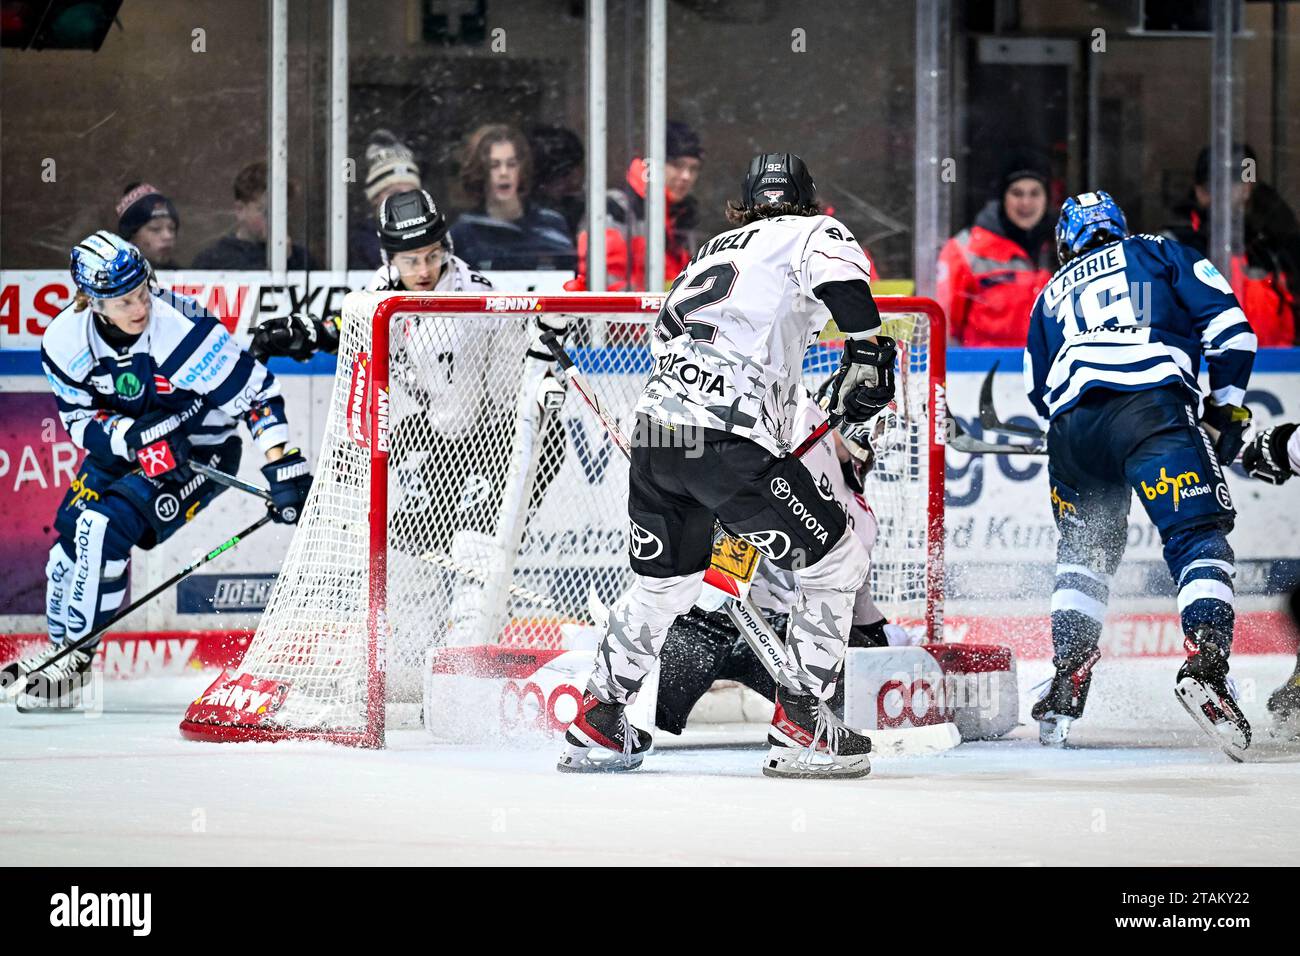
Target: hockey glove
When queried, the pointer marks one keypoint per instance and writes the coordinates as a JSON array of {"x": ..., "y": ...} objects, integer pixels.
[
  {"x": 550, "y": 394},
  {"x": 1266, "y": 457},
  {"x": 289, "y": 479},
  {"x": 298, "y": 337},
  {"x": 864, "y": 384},
  {"x": 158, "y": 440},
  {"x": 558, "y": 325},
  {"x": 1226, "y": 425}
]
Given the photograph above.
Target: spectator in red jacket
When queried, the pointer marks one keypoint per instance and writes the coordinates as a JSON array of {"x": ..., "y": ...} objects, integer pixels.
[
  {"x": 625, "y": 247},
  {"x": 990, "y": 273},
  {"x": 1266, "y": 275}
]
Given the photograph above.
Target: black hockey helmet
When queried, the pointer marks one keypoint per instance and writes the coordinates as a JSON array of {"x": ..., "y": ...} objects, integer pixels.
[
  {"x": 410, "y": 220},
  {"x": 776, "y": 178}
]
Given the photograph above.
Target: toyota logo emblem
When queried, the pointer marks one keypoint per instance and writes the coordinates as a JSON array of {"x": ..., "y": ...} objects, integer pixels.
[
  {"x": 781, "y": 488},
  {"x": 773, "y": 544},
  {"x": 644, "y": 545}
]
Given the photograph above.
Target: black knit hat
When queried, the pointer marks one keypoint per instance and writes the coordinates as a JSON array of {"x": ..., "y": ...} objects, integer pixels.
[
  {"x": 1023, "y": 165},
  {"x": 139, "y": 204},
  {"x": 1240, "y": 151},
  {"x": 682, "y": 141}
]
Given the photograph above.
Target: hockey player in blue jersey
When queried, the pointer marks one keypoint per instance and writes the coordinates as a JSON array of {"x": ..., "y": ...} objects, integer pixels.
[
  {"x": 1116, "y": 341},
  {"x": 145, "y": 381}
]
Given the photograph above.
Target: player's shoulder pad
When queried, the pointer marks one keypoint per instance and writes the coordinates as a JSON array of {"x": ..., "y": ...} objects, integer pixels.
[
  {"x": 380, "y": 282},
  {"x": 832, "y": 228},
  {"x": 466, "y": 279},
  {"x": 175, "y": 318},
  {"x": 65, "y": 344}
]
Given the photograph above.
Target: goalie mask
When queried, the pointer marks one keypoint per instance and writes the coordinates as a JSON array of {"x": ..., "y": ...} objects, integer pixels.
[{"x": 856, "y": 439}]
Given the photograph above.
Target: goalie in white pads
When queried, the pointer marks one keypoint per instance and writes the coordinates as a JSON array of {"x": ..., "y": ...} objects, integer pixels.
[
  {"x": 455, "y": 409},
  {"x": 715, "y": 426}
]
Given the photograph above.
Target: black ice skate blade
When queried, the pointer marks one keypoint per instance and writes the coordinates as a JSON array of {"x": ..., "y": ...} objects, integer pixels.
[{"x": 1232, "y": 737}]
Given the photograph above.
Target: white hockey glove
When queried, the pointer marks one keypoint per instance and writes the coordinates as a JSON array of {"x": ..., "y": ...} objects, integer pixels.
[
  {"x": 557, "y": 325},
  {"x": 550, "y": 394}
]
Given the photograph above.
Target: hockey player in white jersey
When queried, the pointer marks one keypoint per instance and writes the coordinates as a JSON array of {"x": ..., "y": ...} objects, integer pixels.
[
  {"x": 145, "y": 381},
  {"x": 715, "y": 426},
  {"x": 451, "y": 406},
  {"x": 1274, "y": 456}
]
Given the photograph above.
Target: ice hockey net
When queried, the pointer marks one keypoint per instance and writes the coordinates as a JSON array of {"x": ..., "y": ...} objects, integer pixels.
[{"x": 445, "y": 509}]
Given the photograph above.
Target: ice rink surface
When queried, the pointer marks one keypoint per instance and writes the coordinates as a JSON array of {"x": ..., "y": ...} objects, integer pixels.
[{"x": 1140, "y": 786}]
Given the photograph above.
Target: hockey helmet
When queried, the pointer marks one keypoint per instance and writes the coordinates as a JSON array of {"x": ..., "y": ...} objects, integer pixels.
[
  {"x": 775, "y": 178},
  {"x": 105, "y": 266},
  {"x": 1087, "y": 221},
  {"x": 411, "y": 220}
]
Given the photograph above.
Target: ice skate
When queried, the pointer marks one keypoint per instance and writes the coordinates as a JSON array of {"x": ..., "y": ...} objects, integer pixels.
[
  {"x": 601, "y": 740},
  {"x": 807, "y": 741},
  {"x": 58, "y": 686},
  {"x": 1205, "y": 691},
  {"x": 13, "y": 677},
  {"x": 1284, "y": 705},
  {"x": 1063, "y": 701}
]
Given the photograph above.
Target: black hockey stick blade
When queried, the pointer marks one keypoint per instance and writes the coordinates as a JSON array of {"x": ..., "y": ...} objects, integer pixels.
[
  {"x": 957, "y": 439},
  {"x": 989, "y": 416},
  {"x": 10, "y": 676}
]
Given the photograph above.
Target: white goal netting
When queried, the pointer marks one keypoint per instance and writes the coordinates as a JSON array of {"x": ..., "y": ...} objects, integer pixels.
[{"x": 448, "y": 509}]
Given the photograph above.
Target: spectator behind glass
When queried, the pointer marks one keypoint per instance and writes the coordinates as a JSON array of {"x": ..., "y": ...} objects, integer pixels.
[
  {"x": 390, "y": 169},
  {"x": 245, "y": 246},
  {"x": 626, "y": 232},
  {"x": 558, "y": 166},
  {"x": 148, "y": 219},
  {"x": 506, "y": 231},
  {"x": 990, "y": 273},
  {"x": 1266, "y": 279}
]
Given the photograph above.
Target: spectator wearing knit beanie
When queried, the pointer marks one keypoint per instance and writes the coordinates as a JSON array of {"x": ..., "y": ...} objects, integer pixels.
[
  {"x": 390, "y": 168},
  {"x": 149, "y": 219}
]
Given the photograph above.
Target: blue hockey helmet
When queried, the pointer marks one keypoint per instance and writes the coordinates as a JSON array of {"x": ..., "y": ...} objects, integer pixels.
[
  {"x": 1086, "y": 221},
  {"x": 105, "y": 266}
]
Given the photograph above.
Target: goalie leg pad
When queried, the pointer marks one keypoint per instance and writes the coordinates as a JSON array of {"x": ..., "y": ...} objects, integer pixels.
[{"x": 694, "y": 655}]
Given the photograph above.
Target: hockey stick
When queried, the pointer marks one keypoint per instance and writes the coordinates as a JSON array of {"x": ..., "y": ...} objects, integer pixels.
[
  {"x": 9, "y": 676},
  {"x": 957, "y": 439},
  {"x": 230, "y": 481},
  {"x": 989, "y": 417}
]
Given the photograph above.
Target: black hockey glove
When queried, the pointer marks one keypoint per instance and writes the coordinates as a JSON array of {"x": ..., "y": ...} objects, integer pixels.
[
  {"x": 864, "y": 383},
  {"x": 290, "y": 480},
  {"x": 1266, "y": 457},
  {"x": 297, "y": 336},
  {"x": 1226, "y": 425},
  {"x": 158, "y": 440}
]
